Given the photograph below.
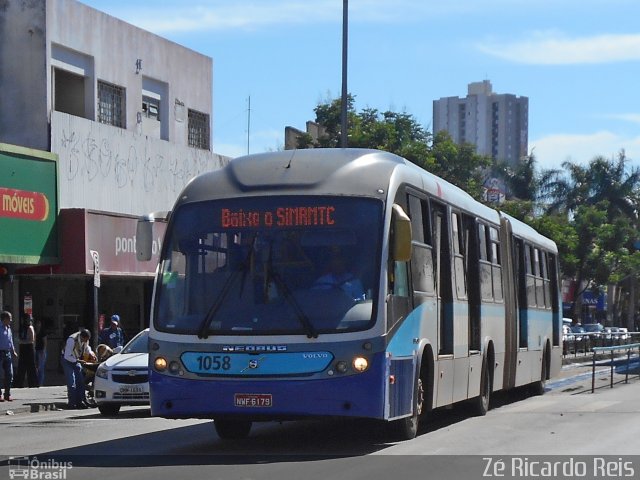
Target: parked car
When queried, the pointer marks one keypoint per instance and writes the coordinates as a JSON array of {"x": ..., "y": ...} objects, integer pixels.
[
  {"x": 593, "y": 327},
  {"x": 567, "y": 335},
  {"x": 123, "y": 379},
  {"x": 623, "y": 333},
  {"x": 612, "y": 333},
  {"x": 578, "y": 331}
]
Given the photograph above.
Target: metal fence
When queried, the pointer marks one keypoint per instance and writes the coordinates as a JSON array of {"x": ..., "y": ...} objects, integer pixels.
[
  {"x": 613, "y": 351},
  {"x": 577, "y": 344}
]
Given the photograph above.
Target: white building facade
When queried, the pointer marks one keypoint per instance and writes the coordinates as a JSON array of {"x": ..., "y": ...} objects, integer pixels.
[
  {"x": 497, "y": 124},
  {"x": 127, "y": 116}
]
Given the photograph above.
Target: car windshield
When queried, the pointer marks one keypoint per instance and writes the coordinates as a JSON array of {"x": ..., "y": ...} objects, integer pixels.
[
  {"x": 138, "y": 344},
  {"x": 593, "y": 327},
  {"x": 270, "y": 265}
]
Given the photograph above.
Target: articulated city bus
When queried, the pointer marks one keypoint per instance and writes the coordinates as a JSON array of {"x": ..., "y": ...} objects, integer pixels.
[{"x": 344, "y": 283}]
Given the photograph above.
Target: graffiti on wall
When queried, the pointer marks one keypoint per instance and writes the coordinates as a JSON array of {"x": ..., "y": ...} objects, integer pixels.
[{"x": 136, "y": 169}]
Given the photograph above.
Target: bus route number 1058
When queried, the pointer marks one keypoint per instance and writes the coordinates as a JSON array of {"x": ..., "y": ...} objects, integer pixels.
[{"x": 207, "y": 363}]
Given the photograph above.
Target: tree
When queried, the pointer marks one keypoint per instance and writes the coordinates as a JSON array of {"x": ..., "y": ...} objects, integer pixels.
[
  {"x": 400, "y": 133},
  {"x": 600, "y": 181}
]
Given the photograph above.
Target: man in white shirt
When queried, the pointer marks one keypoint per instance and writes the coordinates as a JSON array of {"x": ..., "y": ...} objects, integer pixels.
[{"x": 76, "y": 347}]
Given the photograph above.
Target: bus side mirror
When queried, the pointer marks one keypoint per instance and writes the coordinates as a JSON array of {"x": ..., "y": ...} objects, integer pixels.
[
  {"x": 144, "y": 235},
  {"x": 401, "y": 224},
  {"x": 144, "y": 239}
]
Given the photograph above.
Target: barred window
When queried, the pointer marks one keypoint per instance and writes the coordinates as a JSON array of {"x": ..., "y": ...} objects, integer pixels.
[
  {"x": 111, "y": 104},
  {"x": 198, "y": 130}
]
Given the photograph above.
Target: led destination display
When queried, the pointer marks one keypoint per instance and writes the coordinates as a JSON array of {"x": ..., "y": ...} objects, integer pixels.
[{"x": 312, "y": 216}]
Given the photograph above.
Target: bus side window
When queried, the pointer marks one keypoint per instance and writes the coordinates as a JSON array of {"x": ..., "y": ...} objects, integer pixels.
[
  {"x": 530, "y": 276},
  {"x": 422, "y": 270},
  {"x": 486, "y": 287},
  {"x": 496, "y": 264},
  {"x": 459, "y": 256}
]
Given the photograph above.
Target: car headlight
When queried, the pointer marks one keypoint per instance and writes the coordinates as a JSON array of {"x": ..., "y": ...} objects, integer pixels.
[{"x": 102, "y": 372}]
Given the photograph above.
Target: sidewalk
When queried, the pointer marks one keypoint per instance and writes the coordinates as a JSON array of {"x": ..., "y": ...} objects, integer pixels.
[
  {"x": 51, "y": 396},
  {"x": 33, "y": 400}
]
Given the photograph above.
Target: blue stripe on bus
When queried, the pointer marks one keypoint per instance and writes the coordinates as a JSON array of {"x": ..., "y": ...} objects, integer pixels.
[
  {"x": 290, "y": 363},
  {"x": 358, "y": 395}
]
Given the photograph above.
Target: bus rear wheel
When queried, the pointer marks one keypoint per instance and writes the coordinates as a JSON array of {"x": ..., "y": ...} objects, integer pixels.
[
  {"x": 537, "y": 388},
  {"x": 481, "y": 402},
  {"x": 232, "y": 429}
]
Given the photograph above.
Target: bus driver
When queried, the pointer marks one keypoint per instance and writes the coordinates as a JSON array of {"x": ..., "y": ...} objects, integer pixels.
[{"x": 340, "y": 277}]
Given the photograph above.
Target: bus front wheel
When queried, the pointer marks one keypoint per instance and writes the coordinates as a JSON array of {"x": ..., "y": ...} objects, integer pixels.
[
  {"x": 232, "y": 429},
  {"x": 407, "y": 428}
]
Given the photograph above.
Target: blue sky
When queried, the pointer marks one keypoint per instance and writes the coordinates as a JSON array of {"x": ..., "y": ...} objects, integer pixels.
[{"x": 578, "y": 61}]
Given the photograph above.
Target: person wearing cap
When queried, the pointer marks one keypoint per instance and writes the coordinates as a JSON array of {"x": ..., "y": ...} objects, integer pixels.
[
  {"x": 7, "y": 352},
  {"x": 76, "y": 347},
  {"x": 113, "y": 336}
]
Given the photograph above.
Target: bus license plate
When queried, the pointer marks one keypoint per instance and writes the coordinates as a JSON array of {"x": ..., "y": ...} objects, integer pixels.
[{"x": 253, "y": 400}]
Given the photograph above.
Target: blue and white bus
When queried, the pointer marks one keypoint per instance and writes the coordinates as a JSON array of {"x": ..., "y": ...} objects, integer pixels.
[{"x": 343, "y": 283}]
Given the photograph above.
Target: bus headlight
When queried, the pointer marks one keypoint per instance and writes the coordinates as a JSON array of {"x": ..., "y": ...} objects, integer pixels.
[
  {"x": 360, "y": 364},
  {"x": 160, "y": 364}
]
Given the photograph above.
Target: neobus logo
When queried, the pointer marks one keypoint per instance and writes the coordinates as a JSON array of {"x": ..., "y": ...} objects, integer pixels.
[{"x": 254, "y": 348}]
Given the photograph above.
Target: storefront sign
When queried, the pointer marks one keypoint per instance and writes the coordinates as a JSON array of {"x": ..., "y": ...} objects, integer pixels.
[
  {"x": 28, "y": 304},
  {"x": 15, "y": 203},
  {"x": 28, "y": 206},
  {"x": 114, "y": 236}
]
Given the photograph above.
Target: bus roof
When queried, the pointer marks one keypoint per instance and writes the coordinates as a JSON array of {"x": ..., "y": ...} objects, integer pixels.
[
  {"x": 526, "y": 232},
  {"x": 325, "y": 171}
]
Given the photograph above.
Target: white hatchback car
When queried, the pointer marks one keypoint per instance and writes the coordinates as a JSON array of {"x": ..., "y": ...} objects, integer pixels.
[{"x": 123, "y": 379}]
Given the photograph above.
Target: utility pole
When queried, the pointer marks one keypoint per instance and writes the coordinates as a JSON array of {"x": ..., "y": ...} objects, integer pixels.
[
  {"x": 344, "y": 127},
  {"x": 248, "y": 123}
]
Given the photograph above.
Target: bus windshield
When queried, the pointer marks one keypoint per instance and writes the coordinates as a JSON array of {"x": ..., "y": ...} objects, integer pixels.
[{"x": 270, "y": 265}]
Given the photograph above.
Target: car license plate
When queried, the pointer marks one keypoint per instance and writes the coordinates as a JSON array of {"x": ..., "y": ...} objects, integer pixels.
[
  {"x": 253, "y": 400},
  {"x": 131, "y": 389}
]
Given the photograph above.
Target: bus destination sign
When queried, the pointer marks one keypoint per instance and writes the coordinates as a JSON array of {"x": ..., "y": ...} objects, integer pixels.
[{"x": 313, "y": 216}]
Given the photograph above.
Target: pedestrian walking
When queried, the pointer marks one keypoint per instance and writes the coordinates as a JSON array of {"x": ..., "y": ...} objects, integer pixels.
[
  {"x": 41, "y": 351},
  {"x": 7, "y": 352},
  {"x": 113, "y": 336},
  {"x": 76, "y": 347},
  {"x": 26, "y": 354}
]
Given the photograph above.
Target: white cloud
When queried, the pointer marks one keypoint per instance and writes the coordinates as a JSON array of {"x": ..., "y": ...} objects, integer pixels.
[
  {"x": 171, "y": 16},
  {"x": 179, "y": 17},
  {"x": 551, "y": 150},
  {"x": 625, "y": 117},
  {"x": 553, "y": 48}
]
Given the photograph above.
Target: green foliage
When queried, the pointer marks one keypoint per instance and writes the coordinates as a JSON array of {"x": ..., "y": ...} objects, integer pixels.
[
  {"x": 400, "y": 133},
  {"x": 590, "y": 211}
]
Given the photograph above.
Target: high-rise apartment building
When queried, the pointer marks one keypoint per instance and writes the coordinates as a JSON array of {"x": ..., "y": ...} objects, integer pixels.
[{"x": 497, "y": 124}]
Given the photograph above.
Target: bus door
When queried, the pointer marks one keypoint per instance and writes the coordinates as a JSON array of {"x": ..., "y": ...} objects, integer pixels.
[{"x": 400, "y": 333}]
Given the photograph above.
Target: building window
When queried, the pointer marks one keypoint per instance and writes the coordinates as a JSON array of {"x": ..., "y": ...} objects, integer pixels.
[
  {"x": 111, "y": 104},
  {"x": 151, "y": 108},
  {"x": 198, "y": 130},
  {"x": 68, "y": 92}
]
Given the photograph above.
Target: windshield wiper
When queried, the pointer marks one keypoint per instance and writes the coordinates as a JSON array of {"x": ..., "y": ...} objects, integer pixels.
[
  {"x": 288, "y": 296},
  {"x": 208, "y": 318}
]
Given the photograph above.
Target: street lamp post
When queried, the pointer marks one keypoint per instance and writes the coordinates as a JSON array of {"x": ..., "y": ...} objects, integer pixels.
[{"x": 343, "y": 113}]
